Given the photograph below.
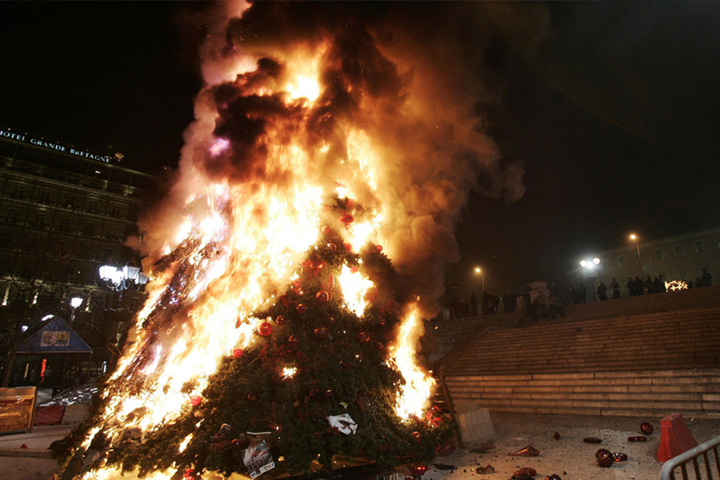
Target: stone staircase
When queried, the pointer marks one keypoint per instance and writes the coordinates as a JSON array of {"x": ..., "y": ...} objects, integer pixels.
[{"x": 641, "y": 356}]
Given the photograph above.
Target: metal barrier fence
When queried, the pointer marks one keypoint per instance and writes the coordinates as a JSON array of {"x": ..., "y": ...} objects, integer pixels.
[{"x": 696, "y": 464}]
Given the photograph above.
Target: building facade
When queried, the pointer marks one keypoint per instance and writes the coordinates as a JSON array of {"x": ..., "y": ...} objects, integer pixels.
[
  {"x": 64, "y": 212},
  {"x": 681, "y": 257}
]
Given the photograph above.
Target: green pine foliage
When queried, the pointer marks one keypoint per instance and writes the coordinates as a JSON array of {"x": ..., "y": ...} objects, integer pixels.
[{"x": 339, "y": 363}]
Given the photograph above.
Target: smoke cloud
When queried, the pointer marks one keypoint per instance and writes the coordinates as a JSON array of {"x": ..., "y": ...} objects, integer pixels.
[{"x": 400, "y": 82}]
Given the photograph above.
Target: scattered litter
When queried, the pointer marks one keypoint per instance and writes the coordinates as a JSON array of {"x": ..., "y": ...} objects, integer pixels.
[
  {"x": 528, "y": 451},
  {"x": 592, "y": 440}
]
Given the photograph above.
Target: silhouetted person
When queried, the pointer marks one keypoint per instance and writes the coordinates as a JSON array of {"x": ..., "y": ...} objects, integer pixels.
[
  {"x": 639, "y": 286},
  {"x": 615, "y": 287},
  {"x": 602, "y": 291},
  {"x": 705, "y": 279},
  {"x": 631, "y": 287}
]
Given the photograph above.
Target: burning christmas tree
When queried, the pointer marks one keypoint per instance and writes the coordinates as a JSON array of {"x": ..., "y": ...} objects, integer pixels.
[{"x": 273, "y": 312}]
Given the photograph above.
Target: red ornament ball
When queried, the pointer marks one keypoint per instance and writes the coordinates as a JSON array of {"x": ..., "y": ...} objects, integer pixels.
[
  {"x": 378, "y": 248},
  {"x": 252, "y": 397},
  {"x": 417, "y": 436},
  {"x": 321, "y": 332},
  {"x": 417, "y": 470},
  {"x": 353, "y": 269},
  {"x": 346, "y": 219},
  {"x": 362, "y": 337},
  {"x": 265, "y": 329},
  {"x": 301, "y": 308},
  {"x": 237, "y": 352},
  {"x": 326, "y": 230},
  {"x": 348, "y": 247},
  {"x": 196, "y": 400},
  {"x": 292, "y": 339},
  {"x": 322, "y": 296},
  {"x": 379, "y": 345},
  {"x": 280, "y": 320},
  {"x": 646, "y": 428}
]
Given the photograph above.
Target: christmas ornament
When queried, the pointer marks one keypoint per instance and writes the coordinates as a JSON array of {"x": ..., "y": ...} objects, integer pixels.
[
  {"x": 330, "y": 320},
  {"x": 379, "y": 345},
  {"x": 265, "y": 329},
  {"x": 528, "y": 451},
  {"x": 328, "y": 393},
  {"x": 292, "y": 339},
  {"x": 353, "y": 269},
  {"x": 322, "y": 296},
  {"x": 378, "y": 248},
  {"x": 321, "y": 332},
  {"x": 237, "y": 352},
  {"x": 326, "y": 230},
  {"x": 447, "y": 449},
  {"x": 189, "y": 473},
  {"x": 602, "y": 451},
  {"x": 301, "y": 308},
  {"x": 362, "y": 337},
  {"x": 417, "y": 436},
  {"x": 417, "y": 469},
  {"x": 280, "y": 320},
  {"x": 196, "y": 400},
  {"x": 646, "y": 428},
  {"x": 606, "y": 460},
  {"x": 252, "y": 397},
  {"x": 619, "y": 456},
  {"x": 346, "y": 219},
  {"x": 348, "y": 247}
]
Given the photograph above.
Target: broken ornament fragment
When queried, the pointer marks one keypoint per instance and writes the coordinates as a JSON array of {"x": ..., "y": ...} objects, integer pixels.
[{"x": 528, "y": 451}]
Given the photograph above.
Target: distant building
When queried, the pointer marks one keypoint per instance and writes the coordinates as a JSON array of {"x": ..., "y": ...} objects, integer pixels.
[
  {"x": 681, "y": 257},
  {"x": 64, "y": 212}
]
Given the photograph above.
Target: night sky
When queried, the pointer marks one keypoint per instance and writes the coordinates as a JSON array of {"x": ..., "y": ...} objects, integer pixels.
[{"x": 615, "y": 114}]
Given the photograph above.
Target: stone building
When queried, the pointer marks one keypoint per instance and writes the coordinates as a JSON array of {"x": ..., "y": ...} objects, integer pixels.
[
  {"x": 681, "y": 257},
  {"x": 64, "y": 212}
]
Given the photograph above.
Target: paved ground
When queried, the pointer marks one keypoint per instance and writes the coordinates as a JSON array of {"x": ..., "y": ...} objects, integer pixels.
[{"x": 569, "y": 457}]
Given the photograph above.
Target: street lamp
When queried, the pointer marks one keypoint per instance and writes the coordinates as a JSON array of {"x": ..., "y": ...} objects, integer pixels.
[
  {"x": 479, "y": 271},
  {"x": 119, "y": 279},
  {"x": 634, "y": 238},
  {"x": 75, "y": 302}
]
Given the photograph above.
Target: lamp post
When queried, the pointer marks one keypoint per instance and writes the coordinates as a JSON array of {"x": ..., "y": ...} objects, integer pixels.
[
  {"x": 634, "y": 238},
  {"x": 75, "y": 302},
  {"x": 479, "y": 271},
  {"x": 121, "y": 279},
  {"x": 591, "y": 266}
]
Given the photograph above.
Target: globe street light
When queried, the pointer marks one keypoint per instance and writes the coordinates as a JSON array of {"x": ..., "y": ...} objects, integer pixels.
[
  {"x": 479, "y": 271},
  {"x": 119, "y": 279},
  {"x": 634, "y": 238}
]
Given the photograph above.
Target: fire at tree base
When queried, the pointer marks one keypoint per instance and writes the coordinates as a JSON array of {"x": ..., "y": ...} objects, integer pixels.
[{"x": 319, "y": 382}]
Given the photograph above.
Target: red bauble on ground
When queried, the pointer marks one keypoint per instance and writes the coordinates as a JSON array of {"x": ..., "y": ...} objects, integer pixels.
[
  {"x": 265, "y": 329},
  {"x": 646, "y": 428},
  {"x": 417, "y": 469}
]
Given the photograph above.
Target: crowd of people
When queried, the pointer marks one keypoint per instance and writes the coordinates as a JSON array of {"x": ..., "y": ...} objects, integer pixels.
[{"x": 548, "y": 303}]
